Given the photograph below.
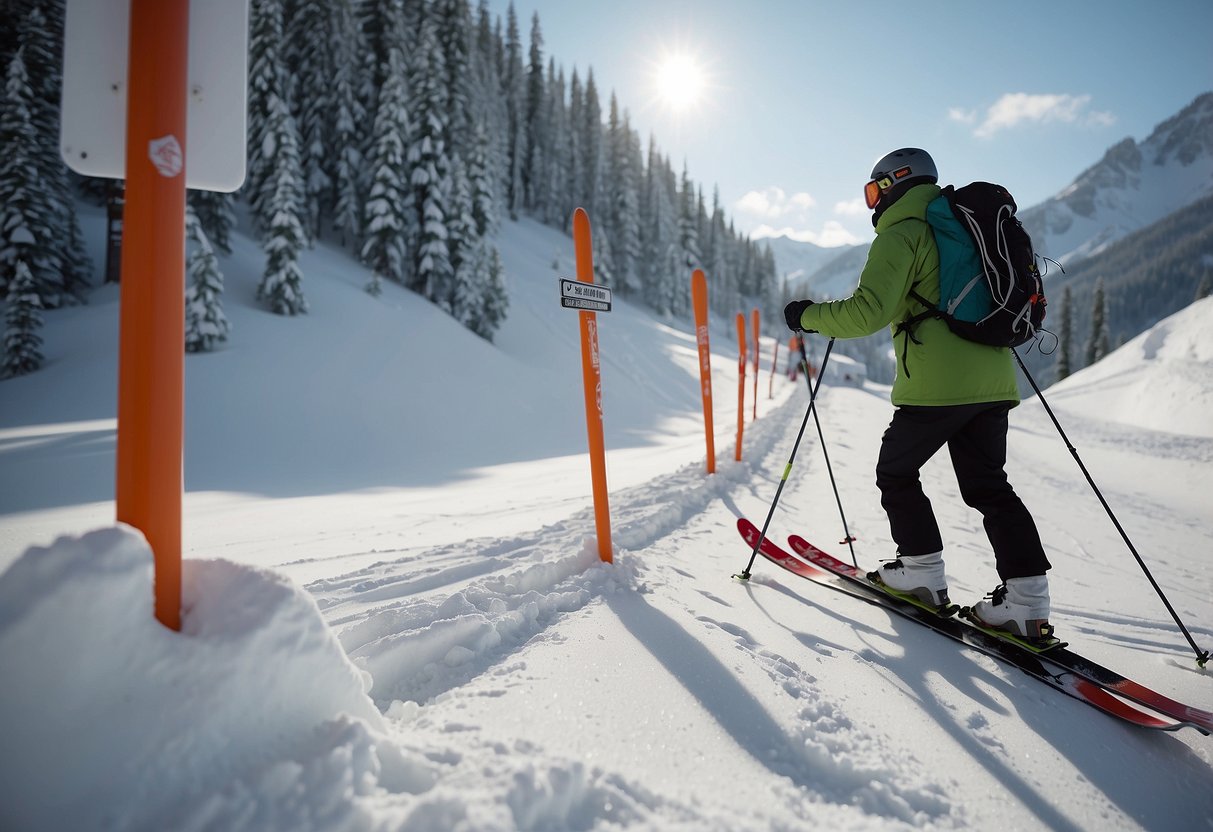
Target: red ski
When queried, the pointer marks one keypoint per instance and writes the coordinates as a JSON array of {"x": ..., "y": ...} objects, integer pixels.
[
  {"x": 824, "y": 569},
  {"x": 1058, "y": 657}
]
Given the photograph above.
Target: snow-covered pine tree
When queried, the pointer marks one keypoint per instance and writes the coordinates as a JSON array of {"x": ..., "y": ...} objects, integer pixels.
[
  {"x": 644, "y": 205},
  {"x": 205, "y": 324},
  {"x": 591, "y": 147},
  {"x": 216, "y": 214},
  {"x": 1065, "y": 334},
  {"x": 604, "y": 211},
  {"x": 372, "y": 69},
  {"x": 489, "y": 108},
  {"x": 1097, "y": 344},
  {"x": 574, "y": 160},
  {"x": 496, "y": 299},
  {"x": 22, "y": 320},
  {"x": 634, "y": 162},
  {"x": 463, "y": 244},
  {"x": 739, "y": 265},
  {"x": 555, "y": 206},
  {"x": 710, "y": 240},
  {"x": 29, "y": 216},
  {"x": 430, "y": 166},
  {"x": 714, "y": 261},
  {"x": 283, "y": 237},
  {"x": 538, "y": 137},
  {"x": 622, "y": 178},
  {"x": 648, "y": 228},
  {"x": 702, "y": 224},
  {"x": 311, "y": 68},
  {"x": 266, "y": 81},
  {"x": 41, "y": 36},
  {"x": 478, "y": 298},
  {"x": 688, "y": 223},
  {"x": 688, "y": 234},
  {"x": 454, "y": 26},
  {"x": 768, "y": 294},
  {"x": 593, "y": 169},
  {"x": 383, "y": 26},
  {"x": 346, "y": 130},
  {"x": 514, "y": 88},
  {"x": 604, "y": 250},
  {"x": 389, "y": 216},
  {"x": 481, "y": 179},
  {"x": 659, "y": 236}
]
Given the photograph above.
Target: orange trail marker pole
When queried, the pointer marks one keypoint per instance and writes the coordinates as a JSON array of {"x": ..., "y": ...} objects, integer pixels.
[
  {"x": 754, "y": 316},
  {"x": 591, "y": 371},
  {"x": 774, "y": 361},
  {"x": 151, "y": 343},
  {"x": 740, "y": 383},
  {"x": 699, "y": 300}
]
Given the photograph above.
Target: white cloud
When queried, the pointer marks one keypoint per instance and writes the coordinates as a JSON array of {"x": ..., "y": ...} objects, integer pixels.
[
  {"x": 773, "y": 212},
  {"x": 962, "y": 115},
  {"x": 774, "y": 203},
  {"x": 1016, "y": 108},
  {"x": 852, "y": 208},
  {"x": 832, "y": 234}
]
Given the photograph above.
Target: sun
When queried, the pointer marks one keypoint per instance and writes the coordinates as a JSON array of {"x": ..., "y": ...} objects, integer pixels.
[{"x": 680, "y": 82}]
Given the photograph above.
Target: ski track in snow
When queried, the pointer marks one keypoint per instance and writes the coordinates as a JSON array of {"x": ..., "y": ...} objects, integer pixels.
[
  {"x": 529, "y": 577},
  {"x": 440, "y": 629},
  {"x": 475, "y": 610}
]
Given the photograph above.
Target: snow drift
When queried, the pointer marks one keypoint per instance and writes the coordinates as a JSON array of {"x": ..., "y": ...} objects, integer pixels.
[{"x": 254, "y": 692}]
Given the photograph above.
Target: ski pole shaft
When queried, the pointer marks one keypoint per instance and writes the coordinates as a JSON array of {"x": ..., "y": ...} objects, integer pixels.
[
  {"x": 1202, "y": 656},
  {"x": 762, "y": 535},
  {"x": 829, "y": 469}
]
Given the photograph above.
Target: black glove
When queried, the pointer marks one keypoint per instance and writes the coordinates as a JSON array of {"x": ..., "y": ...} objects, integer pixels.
[{"x": 792, "y": 313}]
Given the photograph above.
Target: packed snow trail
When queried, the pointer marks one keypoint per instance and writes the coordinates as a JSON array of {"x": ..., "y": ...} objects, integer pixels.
[
  {"x": 521, "y": 684},
  {"x": 493, "y": 644}
]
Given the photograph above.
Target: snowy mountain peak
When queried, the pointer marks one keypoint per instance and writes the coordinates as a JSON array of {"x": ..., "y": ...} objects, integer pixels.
[
  {"x": 1134, "y": 185},
  {"x": 1186, "y": 137}
]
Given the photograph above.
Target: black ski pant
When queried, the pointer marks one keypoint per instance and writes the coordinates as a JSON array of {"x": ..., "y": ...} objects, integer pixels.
[{"x": 976, "y": 436}]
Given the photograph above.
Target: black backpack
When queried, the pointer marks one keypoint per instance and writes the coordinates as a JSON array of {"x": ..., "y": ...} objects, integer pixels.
[{"x": 990, "y": 290}]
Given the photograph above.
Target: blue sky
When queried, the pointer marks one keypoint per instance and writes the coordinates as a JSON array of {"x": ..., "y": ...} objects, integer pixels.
[{"x": 802, "y": 97}]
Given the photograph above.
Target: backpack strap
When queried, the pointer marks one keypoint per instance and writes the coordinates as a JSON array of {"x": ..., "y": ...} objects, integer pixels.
[{"x": 910, "y": 323}]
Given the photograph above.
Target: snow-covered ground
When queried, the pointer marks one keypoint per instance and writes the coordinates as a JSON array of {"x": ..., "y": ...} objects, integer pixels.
[{"x": 395, "y": 617}]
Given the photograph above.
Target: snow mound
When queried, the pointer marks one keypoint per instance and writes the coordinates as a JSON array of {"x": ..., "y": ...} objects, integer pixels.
[
  {"x": 111, "y": 720},
  {"x": 1161, "y": 380}
]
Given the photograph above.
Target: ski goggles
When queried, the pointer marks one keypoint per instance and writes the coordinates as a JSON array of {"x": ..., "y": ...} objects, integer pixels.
[{"x": 873, "y": 190}]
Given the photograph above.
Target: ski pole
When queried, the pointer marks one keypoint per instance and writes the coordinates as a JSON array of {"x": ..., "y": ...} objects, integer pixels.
[
  {"x": 745, "y": 575},
  {"x": 1202, "y": 656},
  {"x": 821, "y": 437}
]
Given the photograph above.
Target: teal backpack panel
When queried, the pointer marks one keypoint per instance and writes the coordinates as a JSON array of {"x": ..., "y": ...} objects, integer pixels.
[{"x": 959, "y": 266}]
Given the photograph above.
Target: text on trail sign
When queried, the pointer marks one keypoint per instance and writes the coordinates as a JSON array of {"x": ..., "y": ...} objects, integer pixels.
[{"x": 577, "y": 295}]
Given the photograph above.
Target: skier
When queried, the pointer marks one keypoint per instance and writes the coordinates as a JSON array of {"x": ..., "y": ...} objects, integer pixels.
[{"x": 948, "y": 391}]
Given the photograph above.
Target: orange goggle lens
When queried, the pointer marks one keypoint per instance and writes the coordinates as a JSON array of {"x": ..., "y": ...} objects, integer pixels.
[
  {"x": 871, "y": 193},
  {"x": 873, "y": 190}
]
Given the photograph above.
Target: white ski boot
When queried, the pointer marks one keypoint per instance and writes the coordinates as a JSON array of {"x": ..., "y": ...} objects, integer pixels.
[
  {"x": 1020, "y": 607},
  {"x": 918, "y": 577}
]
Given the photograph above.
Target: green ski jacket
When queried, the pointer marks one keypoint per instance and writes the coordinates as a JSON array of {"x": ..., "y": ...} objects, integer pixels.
[{"x": 935, "y": 366}]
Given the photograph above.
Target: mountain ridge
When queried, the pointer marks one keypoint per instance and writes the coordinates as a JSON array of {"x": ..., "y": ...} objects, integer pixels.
[{"x": 1134, "y": 185}]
